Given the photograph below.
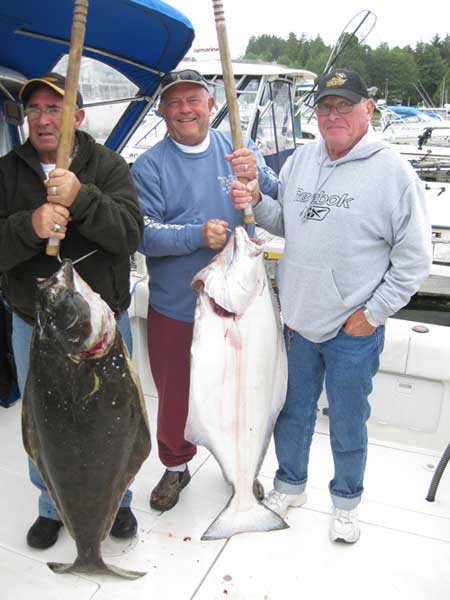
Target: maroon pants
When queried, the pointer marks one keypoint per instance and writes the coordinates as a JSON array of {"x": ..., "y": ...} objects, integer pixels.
[{"x": 169, "y": 346}]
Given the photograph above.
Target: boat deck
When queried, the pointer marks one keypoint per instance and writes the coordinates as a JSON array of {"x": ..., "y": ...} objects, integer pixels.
[{"x": 403, "y": 553}]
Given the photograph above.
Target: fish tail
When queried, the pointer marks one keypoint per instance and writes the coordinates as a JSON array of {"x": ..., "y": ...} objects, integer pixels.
[
  {"x": 230, "y": 522},
  {"x": 94, "y": 568}
]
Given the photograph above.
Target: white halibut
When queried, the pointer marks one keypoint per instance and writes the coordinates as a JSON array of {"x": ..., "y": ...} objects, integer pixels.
[{"x": 238, "y": 377}]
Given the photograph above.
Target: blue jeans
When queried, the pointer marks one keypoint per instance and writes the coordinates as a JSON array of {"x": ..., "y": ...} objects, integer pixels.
[
  {"x": 347, "y": 364},
  {"x": 21, "y": 339}
]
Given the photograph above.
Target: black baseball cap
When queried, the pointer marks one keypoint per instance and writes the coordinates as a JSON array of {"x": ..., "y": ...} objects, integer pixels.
[
  {"x": 186, "y": 76},
  {"x": 341, "y": 82},
  {"x": 54, "y": 81}
]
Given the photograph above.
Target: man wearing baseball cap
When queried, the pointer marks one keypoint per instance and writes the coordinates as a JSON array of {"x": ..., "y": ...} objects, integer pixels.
[
  {"x": 344, "y": 83},
  {"x": 183, "y": 187},
  {"x": 54, "y": 81},
  {"x": 358, "y": 246},
  {"x": 92, "y": 208}
]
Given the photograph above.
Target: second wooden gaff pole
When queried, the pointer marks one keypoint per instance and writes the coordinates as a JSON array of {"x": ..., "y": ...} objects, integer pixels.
[{"x": 230, "y": 92}]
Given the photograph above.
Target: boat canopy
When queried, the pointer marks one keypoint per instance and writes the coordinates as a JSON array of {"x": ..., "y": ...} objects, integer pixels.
[
  {"x": 139, "y": 38},
  {"x": 242, "y": 68},
  {"x": 412, "y": 111},
  {"x": 404, "y": 111}
]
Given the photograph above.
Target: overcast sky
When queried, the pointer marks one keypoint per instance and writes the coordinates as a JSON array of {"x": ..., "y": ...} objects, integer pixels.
[{"x": 398, "y": 23}]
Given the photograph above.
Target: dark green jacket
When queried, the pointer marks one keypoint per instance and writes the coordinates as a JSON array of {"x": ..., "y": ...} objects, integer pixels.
[{"x": 105, "y": 217}]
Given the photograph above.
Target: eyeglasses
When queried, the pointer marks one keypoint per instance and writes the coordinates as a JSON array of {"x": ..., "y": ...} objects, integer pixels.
[
  {"x": 186, "y": 75},
  {"x": 34, "y": 112},
  {"x": 342, "y": 108}
]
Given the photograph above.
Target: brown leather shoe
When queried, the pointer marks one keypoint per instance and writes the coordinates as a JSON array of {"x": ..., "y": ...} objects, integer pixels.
[
  {"x": 165, "y": 495},
  {"x": 258, "y": 490}
]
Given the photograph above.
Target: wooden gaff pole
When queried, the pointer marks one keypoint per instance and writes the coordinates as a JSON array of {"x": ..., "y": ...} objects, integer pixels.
[
  {"x": 230, "y": 92},
  {"x": 70, "y": 97}
]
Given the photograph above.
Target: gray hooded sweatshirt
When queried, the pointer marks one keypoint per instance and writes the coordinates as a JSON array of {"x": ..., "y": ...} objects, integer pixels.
[{"x": 356, "y": 234}]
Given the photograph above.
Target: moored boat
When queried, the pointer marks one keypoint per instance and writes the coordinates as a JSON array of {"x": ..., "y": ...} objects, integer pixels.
[
  {"x": 265, "y": 95},
  {"x": 411, "y": 125}
]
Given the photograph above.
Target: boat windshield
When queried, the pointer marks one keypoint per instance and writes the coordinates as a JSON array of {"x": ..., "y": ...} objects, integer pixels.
[
  {"x": 275, "y": 127},
  {"x": 266, "y": 114},
  {"x": 246, "y": 92},
  {"x": 106, "y": 95},
  {"x": 5, "y": 139}
]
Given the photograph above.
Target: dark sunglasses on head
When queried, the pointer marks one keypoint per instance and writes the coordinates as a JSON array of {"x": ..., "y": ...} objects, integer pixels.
[{"x": 186, "y": 75}]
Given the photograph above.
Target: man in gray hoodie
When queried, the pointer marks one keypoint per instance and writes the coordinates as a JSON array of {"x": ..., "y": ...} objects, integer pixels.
[{"x": 357, "y": 247}]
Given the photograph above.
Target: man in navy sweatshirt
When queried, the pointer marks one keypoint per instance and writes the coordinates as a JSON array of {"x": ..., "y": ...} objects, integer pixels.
[
  {"x": 358, "y": 245},
  {"x": 183, "y": 187}
]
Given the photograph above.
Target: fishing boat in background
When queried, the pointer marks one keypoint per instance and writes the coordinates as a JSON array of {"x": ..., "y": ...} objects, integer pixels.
[
  {"x": 411, "y": 125},
  {"x": 404, "y": 550},
  {"x": 265, "y": 94}
]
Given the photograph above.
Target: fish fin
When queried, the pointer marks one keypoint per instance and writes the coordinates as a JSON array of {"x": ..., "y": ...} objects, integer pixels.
[
  {"x": 230, "y": 522},
  {"x": 125, "y": 573},
  {"x": 99, "y": 568},
  {"x": 29, "y": 432}
]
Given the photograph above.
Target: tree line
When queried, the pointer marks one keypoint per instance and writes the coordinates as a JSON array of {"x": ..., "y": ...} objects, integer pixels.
[{"x": 402, "y": 75}]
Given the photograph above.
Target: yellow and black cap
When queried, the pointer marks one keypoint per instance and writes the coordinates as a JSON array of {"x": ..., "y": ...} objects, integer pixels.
[
  {"x": 54, "y": 81},
  {"x": 341, "y": 82}
]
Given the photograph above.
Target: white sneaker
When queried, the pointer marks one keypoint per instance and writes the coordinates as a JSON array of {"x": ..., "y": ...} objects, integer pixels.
[
  {"x": 280, "y": 503},
  {"x": 344, "y": 526}
]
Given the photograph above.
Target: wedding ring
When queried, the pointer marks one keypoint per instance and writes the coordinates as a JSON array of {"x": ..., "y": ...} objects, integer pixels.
[
  {"x": 245, "y": 167},
  {"x": 54, "y": 190},
  {"x": 56, "y": 227}
]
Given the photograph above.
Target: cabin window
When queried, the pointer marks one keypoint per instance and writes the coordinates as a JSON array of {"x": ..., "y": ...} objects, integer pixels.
[
  {"x": 246, "y": 91},
  {"x": 275, "y": 128},
  {"x": 5, "y": 141},
  {"x": 103, "y": 87}
]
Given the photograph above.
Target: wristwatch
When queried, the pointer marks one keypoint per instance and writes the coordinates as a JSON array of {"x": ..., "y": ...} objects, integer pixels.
[{"x": 369, "y": 317}]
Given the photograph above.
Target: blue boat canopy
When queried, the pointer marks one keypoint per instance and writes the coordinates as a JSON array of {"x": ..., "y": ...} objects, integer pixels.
[
  {"x": 140, "y": 38},
  {"x": 404, "y": 111}
]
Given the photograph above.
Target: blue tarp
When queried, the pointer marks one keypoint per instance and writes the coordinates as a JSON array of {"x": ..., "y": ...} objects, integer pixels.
[{"x": 132, "y": 36}]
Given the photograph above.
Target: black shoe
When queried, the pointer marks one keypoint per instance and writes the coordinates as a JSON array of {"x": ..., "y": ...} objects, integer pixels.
[
  {"x": 125, "y": 524},
  {"x": 43, "y": 533},
  {"x": 166, "y": 494}
]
